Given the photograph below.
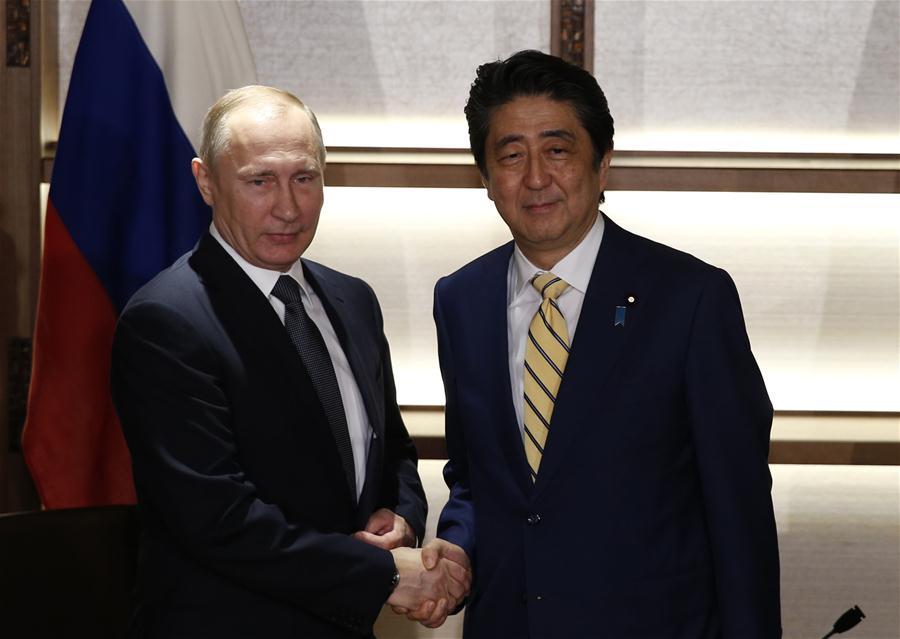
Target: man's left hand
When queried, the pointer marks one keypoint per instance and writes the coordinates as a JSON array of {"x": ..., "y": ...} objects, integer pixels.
[{"x": 386, "y": 529}]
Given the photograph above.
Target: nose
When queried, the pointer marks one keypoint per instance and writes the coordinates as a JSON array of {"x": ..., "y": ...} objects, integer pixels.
[
  {"x": 286, "y": 206},
  {"x": 537, "y": 176}
]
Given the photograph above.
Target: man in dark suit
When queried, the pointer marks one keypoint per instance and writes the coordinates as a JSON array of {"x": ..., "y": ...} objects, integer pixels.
[
  {"x": 276, "y": 482},
  {"x": 607, "y": 424}
]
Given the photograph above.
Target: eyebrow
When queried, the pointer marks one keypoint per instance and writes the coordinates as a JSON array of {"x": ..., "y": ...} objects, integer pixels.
[
  {"x": 564, "y": 134},
  {"x": 254, "y": 172}
]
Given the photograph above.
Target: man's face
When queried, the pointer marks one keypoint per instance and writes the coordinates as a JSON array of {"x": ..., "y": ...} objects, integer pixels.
[
  {"x": 266, "y": 188},
  {"x": 541, "y": 176}
]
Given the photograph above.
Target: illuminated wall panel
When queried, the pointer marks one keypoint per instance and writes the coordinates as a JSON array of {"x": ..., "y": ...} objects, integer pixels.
[
  {"x": 401, "y": 241},
  {"x": 376, "y": 72},
  {"x": 766, "y": 75},
  {"x": 387, "y": 73},
  {"x": 761, "y": 75},
  {"x": 819, "y": 276}
]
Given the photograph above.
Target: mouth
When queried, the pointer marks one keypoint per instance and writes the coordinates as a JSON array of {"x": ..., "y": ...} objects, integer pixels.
[
  {"x": 282, "y": 238},
  {"x": 540, "y": 207}
]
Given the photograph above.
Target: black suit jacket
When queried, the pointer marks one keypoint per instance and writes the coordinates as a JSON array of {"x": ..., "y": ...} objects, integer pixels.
[
  {"x": 651, "y": 516},
  {"x": 245, "y": 506}
]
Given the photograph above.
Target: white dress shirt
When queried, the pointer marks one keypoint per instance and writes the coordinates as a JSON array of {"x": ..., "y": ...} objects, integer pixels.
[
  {"x": 357, "y": 418},
  {"x": 523, "y": 301}
]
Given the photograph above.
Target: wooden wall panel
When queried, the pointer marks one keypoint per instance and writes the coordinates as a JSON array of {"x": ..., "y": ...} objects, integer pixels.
[{"x": 20, "y": 171}]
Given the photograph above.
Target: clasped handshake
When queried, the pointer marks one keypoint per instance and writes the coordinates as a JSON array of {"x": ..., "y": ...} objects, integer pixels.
[{"x": 434, "y": 580}]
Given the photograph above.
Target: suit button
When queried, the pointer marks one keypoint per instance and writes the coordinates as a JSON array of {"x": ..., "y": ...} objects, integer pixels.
[{"x": 533, "y": 519}]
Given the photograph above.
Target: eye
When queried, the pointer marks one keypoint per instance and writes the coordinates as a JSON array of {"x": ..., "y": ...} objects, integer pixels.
[
  {"x": 557, "y": 150},
  {"x": 258, "y": 182}
]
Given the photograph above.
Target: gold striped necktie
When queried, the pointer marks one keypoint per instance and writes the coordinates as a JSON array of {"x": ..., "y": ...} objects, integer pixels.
[{"x": 546, "y": 352}]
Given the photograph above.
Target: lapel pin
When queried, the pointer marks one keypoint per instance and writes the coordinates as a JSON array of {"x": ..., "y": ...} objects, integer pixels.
[{"x": 630, "y": 300}]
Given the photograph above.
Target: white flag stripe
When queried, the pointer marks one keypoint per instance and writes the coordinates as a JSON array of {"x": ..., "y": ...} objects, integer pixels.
[{"x": 201, "y": 48}]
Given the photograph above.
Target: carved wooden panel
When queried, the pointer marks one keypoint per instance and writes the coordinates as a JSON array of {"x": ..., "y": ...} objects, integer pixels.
[
  {"x": 572, "y": 37},
  {"x": 18, "y": 33}
]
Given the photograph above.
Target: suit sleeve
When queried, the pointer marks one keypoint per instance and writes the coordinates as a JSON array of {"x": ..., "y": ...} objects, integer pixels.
[
  {"x": 173, "y": 406},
  {"x": 457, "y": 521},
  {"x": 731, "y": 417}
]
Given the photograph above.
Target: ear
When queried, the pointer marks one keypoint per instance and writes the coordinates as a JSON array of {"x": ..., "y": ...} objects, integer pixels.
[
  {"x": 487, "y": 185},
  {"x": 203, "y": 179},
  {"x": 603, "y": 173}
]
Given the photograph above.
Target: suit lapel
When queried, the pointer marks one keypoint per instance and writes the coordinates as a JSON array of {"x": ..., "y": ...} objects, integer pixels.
[
  {"x": 345, "y": 323},
  {"x": 349, "y": 329},
  {"x": 596, "y": 347},
  {"x": 244, "y": 310},
  {"x": 490, "y": 296},
  {"x": 261, "y": 339}
]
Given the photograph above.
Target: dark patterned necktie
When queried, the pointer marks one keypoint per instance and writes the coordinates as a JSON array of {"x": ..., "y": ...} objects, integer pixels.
[{"x": 312, "y": 350}]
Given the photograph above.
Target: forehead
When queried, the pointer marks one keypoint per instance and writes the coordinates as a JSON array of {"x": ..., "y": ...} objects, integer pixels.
[
  {"x": 526, "y": 115},
  {"x": 270, "y": 125}
]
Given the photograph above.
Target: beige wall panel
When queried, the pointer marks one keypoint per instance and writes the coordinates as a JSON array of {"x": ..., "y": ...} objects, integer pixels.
[
  {"x": 773, "y": 75},
  {"x": 819, "y": 279},
  {"x": 839, "y": 539},
  {"x": 376, "y": 72},
  {"x": 818, "y": 276},
  {"x": 387, "y": 73},
  {"x": 401, "y": 241}
]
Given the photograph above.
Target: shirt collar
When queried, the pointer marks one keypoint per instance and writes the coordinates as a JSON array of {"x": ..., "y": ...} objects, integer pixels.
[
  {"x": 264, "y": 279},
  {"x": 575, "y": 268}
]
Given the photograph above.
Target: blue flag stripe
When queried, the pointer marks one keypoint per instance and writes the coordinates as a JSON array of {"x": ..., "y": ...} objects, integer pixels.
[{"x": 122, "y": 182}]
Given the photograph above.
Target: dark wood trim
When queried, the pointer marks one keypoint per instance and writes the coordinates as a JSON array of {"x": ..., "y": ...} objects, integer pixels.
[
  {"x": 451, "y": 176},
  {"x": 632, "y": 170},
  {"x": 852, "y": 453},
  {"x": 753, "y": 180},
  {"x": 572, "y": 31},
  {"x": 857, "y": 414},
  {"x": 780, "y": 452},
  {"x": 435, "y": 408},
  {"x": 431, "y": 447}
]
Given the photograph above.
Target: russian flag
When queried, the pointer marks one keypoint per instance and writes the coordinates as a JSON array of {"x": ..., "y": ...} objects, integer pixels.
[{"x": 123, "y": 205}]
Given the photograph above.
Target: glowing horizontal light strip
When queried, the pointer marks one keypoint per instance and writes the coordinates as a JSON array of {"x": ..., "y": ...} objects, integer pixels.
[
  {"x": 642, "y": 159},
  {"x": 817, "y": 273},
  {"x": 452, "y": 133}
]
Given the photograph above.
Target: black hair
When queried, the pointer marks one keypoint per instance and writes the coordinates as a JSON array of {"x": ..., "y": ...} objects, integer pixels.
[{"x": 532, "y": 73}]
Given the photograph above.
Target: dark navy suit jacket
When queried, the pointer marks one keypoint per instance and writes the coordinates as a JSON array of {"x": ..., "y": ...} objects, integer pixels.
[
  {"x": 245, "y": 507},
  {"x": 651, "y": 515}
]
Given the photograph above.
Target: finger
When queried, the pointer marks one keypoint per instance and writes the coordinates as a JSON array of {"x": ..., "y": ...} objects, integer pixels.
[
  {"x": 423, "y": 613},
  {"x": 399, "y": 610},
  {"x": 381, "y": 521},
  {"x": 457, "y": 590},
  {"x": 430, "y": 554},
  {"x": 456, "y": 554},
  {"x": 375, "y": 540},
  {"x": 457, "y": 572},
  {"x": 438, "y": 616},
  {"x": 390, "y": 540}
]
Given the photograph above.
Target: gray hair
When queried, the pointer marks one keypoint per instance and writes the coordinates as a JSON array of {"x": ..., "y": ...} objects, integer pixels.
[{"x": 215, "y": 135}]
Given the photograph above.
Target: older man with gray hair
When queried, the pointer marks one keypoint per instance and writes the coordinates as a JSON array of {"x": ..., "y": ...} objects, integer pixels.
[{"x": 276, "y": 482}]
